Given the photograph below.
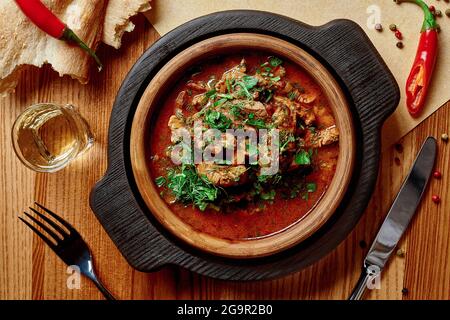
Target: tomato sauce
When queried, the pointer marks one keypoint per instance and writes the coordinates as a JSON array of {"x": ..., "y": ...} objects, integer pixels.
[{"x": 255, "y": 219}]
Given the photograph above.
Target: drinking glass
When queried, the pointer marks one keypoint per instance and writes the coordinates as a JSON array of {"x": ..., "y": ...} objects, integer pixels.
[{"x": 47, "y": 137}]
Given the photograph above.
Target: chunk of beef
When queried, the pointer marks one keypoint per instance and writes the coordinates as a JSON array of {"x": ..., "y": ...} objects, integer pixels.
[
  {"x": 255, "y": 107},
  {"x": 282, "y": 118},
  {"x": 322, "y": 137},
  {"x": 306, "y": 98},
  {"x": 324, "y": 116},
  {"x": 199, "y": 86},
  {"x": 199, "y": 100},
  {"x": 223, "y": 176},
  {"x": 175, "y": 123},
  {"x": 181, "y": 99}
]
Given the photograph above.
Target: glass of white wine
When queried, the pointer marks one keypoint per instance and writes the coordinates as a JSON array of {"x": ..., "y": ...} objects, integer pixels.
[{"x": 46, "y": 137}]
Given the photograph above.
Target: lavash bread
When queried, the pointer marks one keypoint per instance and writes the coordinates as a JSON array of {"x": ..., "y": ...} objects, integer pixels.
[
  {"x": 117, "y": 19},
  {"x": 23, "y": 44}
]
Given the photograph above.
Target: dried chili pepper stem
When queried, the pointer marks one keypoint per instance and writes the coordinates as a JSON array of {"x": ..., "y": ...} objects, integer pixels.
[
  {"x": 48, "y": 22},
  {"x": 420, "y": 76}
]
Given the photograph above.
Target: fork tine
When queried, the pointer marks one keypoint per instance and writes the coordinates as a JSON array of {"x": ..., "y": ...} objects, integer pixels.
[
  {"x": 54, "y": 215},
  {"x": 50, "y": 222},
  {"x": 41, "y": 235},
  {"x": 43, "y": 226}
]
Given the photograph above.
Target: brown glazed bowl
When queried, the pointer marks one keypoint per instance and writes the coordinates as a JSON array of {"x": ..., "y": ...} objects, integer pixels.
[{"x": 290, "y": 236}]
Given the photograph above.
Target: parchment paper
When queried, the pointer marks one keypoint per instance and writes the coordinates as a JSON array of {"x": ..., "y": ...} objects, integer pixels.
[{"x": 168, "y": 14}]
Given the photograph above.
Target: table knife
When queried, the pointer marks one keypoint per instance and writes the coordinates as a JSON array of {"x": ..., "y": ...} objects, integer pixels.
[{"x": 398, "y": 217}]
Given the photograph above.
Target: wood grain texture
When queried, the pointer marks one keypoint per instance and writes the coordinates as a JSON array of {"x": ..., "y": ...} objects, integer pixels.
[
  {"x": 372, "y": 94},
  {"x": 30, "y": 270}
]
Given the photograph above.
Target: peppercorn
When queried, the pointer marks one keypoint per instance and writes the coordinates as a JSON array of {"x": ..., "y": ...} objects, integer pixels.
[
  {"x": 379, "y": 27},
  {"x": 362, "y": 244},
  {"x": 447, "y": 13},
  {"x": 444, "y": 137},
  {"x": 400, "y": 253},
  {"x": 400, "y": 45},
  {"x": 438, "y": 13},
  {"x": 392, "y": 27},
  {"x": 436, "y": 199},
  {"x": 405, "y": 291},
  {"x": 398, "y": 35},
  {"x": 432, "y": 9},
  {"x": 437, "y": 174}
]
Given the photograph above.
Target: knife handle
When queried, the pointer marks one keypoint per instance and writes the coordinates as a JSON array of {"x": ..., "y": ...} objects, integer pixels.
[{"x": 361, "y": 286}]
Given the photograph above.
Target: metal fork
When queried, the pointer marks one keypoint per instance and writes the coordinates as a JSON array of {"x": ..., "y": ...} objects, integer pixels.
[{"x": 70, "y": 247}]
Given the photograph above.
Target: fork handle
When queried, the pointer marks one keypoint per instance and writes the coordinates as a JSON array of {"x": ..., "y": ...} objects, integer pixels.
[
  {"x": 361, "y": 286},
  {"x": 108, "y": 295}
]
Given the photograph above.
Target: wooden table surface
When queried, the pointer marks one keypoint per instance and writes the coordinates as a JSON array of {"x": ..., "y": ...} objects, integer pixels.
[{"x": 30, "y": 270}]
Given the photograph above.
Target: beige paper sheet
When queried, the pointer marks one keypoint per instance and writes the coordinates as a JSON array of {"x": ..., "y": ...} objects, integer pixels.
[{"x": 168, "y": 14}]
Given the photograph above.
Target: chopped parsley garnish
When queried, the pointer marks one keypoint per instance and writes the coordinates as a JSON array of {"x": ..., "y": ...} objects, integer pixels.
[
  {"x": 249, "y": 81},
  {"x": 275, "y": 62},
  {"x": 290, "y": 138},
  {"x": 228, "y": 84},
  {"x": 220, "y": 102},
  {"x": 275, "y": 79},
  {"x": 188, "y": 187},
  {"x": 225, "y": 95},
  {"x": 160, "y": 181},
  {"x": 211, "y": 94},
  {"x": 257, "y": 123},
  {"x": 303, "y": 158},
  {"x": 217, "y": 120},
  {"x": 269, "y": 195},
  {"x": 311, "y": 187},
  {"x": 292, "y": 95}
]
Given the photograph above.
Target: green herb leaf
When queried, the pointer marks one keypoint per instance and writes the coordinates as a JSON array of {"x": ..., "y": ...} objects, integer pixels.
[
  {"x": 303, "y": 158},
  {"x": 292, "y": 95},
  {"x": 290, "y": 138},
  {"x": 219, "y": 102},
  {"x": 226, "y": 96},
  {"x": 269, "y": 195},
  {"x": 236, "y": 110},
  {"x": 160, "y": 181},
  {"x": 188, "y": 187},
  {"x": 228, "y": 84},
  {"x": 275, "y": 79},
  {"x": 275, "y": 62},
  {"x": 249, "y": 82},
  {"x": 257, "y": 123},
  {"x": 311, "y": 187},
  {"x": 217, "y": 120},
  {"x": 211, "y": 94}
]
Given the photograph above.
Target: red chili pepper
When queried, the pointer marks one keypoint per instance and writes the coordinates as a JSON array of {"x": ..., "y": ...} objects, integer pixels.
[
  {"x": 419, "y": 79},
  {"x": 45, "y": 20}
]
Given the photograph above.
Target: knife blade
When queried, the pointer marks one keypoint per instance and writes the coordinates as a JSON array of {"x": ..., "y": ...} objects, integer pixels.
[{"x": 398, "y": 217}]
